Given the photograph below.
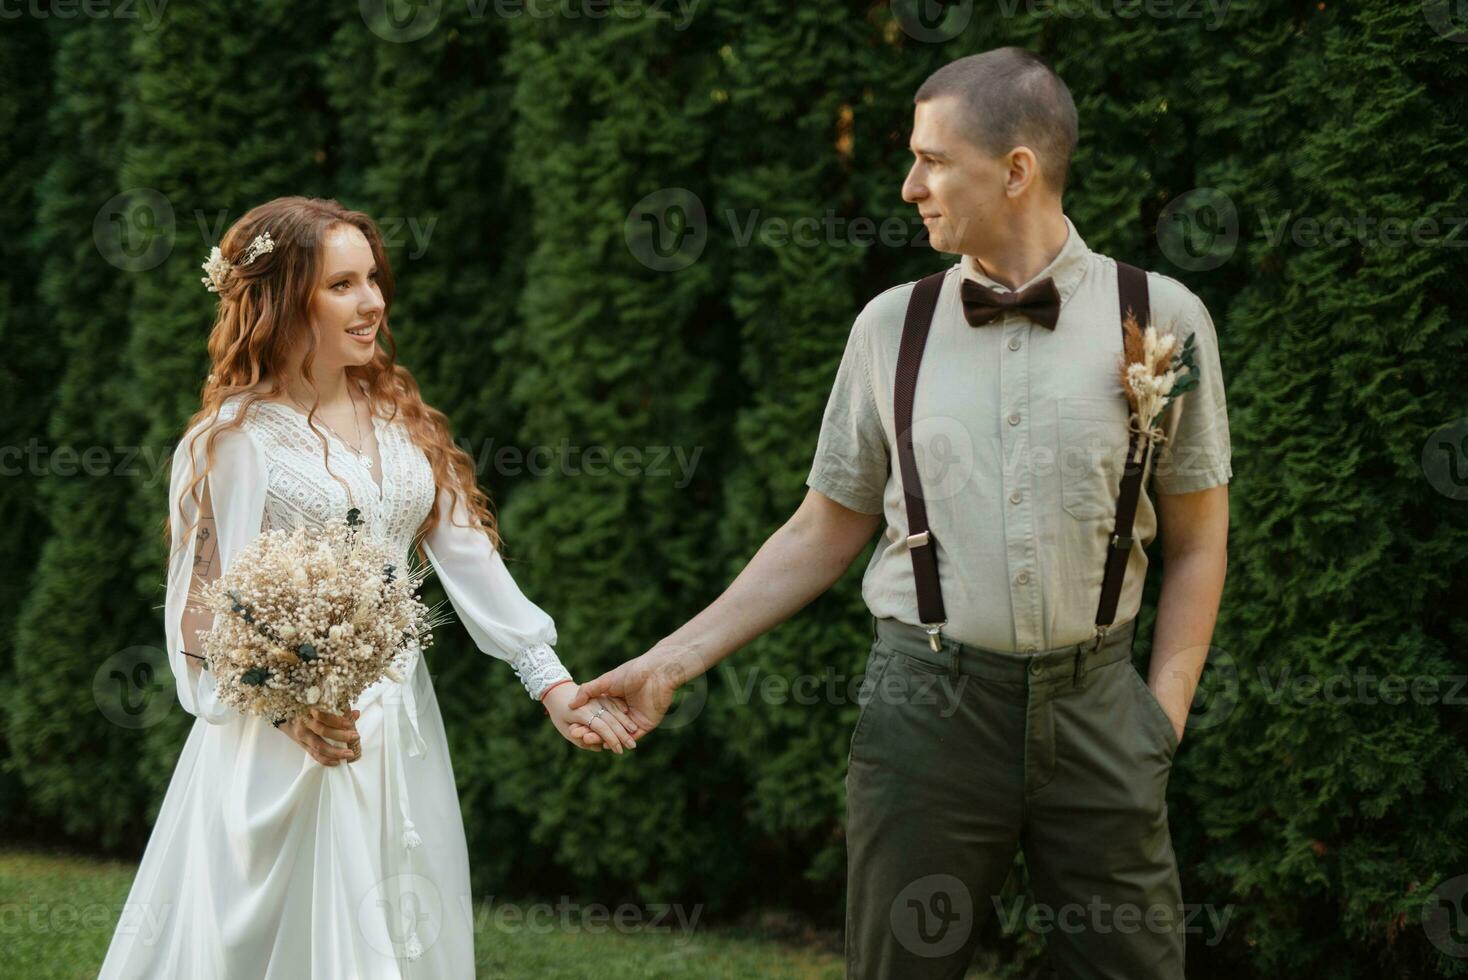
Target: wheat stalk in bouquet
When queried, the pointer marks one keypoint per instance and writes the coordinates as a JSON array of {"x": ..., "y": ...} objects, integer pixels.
[
  {"x": 1153, "y": 372},
  {"x": 311, "y": 618}
]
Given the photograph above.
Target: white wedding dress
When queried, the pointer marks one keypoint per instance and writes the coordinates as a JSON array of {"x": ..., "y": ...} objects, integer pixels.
[{"x": 264, "y": 863}]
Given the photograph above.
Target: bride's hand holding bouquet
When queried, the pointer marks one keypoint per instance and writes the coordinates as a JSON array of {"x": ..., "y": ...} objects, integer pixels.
[{"x": 305, "y": 621}]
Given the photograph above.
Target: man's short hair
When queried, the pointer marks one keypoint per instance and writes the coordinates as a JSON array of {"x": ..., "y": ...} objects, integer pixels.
[{"x": 1012, "y": 97}]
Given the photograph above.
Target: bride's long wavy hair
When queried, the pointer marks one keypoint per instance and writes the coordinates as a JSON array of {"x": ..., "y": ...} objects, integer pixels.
[{"x": 264, "y": 313}]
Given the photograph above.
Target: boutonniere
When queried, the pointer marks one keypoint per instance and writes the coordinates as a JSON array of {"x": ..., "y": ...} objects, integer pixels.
[{"x": 1153, "y": 372}]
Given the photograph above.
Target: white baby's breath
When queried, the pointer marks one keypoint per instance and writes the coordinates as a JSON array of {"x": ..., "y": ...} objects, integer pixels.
[{"x": 312, "y": 617}]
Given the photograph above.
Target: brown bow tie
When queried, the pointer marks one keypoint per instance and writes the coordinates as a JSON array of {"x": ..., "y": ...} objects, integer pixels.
[{"x": 1040, "y": 302}]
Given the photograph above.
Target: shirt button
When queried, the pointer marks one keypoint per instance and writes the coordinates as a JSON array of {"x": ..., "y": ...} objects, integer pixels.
[
  {"x": 1014, "y": 418},
  {"x": 1014, "y": 343},
  {"x": 1031, "y": 648},
  {"x": 1014, "y": 497},
  {"x": 1022, "y": 577}
]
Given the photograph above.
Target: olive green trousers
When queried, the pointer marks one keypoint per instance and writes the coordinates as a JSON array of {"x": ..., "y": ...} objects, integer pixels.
[{"x": 962, "y": 755}]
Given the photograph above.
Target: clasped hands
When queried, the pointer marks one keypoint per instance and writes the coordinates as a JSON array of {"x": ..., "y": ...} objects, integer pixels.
[
  {"x": 613, "y": 710},
  {"x": 635, "y": 696}
]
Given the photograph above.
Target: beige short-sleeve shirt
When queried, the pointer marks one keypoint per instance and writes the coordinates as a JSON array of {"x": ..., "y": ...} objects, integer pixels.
[{"x": 1020, "y": 435}]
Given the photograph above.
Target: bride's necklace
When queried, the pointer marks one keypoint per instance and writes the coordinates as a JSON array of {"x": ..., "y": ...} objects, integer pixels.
[{"x": 365, "y": 459}]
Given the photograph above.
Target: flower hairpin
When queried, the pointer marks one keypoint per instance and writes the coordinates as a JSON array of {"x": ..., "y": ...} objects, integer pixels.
[
  {"x": 219, "y": 268},
  {"x": 1153, "y": 372}
]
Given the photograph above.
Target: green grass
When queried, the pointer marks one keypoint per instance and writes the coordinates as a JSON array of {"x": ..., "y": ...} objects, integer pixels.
[{"x": 57, "y": 914}]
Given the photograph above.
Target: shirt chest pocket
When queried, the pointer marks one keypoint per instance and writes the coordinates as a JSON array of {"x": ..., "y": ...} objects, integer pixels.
[{"x": 1091, "y": 444}]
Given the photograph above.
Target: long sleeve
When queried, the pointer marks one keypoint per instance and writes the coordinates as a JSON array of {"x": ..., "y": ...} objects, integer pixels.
[
  {"x": 233, "y": 504},
  {"x": 501, "y": 621}
]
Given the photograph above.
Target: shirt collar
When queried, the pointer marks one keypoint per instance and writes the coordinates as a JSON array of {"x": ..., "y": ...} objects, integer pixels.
[{"x": 1067, "y": 269}]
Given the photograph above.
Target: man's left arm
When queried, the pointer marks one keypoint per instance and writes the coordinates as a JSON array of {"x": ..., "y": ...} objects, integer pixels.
[
  {"x": 1194, "y": 531},
  {"x": 1193, "y": 468}
]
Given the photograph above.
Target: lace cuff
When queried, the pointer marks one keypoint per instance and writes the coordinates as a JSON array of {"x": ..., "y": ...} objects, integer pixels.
[{"x": 538, "y": 668}]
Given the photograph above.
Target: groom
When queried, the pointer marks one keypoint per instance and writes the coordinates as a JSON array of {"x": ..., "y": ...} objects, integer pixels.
[{"x": 1010, "y": 566}]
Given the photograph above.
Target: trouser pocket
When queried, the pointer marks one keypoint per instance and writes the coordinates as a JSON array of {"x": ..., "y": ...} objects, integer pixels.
[{"x": 1153, "y": 711}]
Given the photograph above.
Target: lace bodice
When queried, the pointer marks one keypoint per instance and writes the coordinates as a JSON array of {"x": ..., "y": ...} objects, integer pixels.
[
  {"x": 274, "y": 472},
  {"x": 307, "y": 488}
]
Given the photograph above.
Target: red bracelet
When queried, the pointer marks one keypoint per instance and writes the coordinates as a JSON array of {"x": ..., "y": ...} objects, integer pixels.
[{"x": 550, "y": 689}]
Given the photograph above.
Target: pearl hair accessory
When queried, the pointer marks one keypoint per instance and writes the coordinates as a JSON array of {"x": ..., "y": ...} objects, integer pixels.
[{"x": 218, "y": 268}]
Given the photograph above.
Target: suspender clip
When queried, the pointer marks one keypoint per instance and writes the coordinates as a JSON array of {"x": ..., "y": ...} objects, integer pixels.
[
  {"x": 1100, "y": 637},
  {"x": 932, "y": 631},
  {"x": 917, "y": 540},
  {"x": 1122, "y": 542}
]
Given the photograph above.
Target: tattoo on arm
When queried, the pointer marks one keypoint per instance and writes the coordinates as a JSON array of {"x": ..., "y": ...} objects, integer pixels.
[
  {"x": 204, "y": 549},
  {"x": 199, "y": 619}
]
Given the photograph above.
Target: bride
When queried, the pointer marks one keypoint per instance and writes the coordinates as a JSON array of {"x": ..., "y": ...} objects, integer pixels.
[{"x": 331, "y": 846}]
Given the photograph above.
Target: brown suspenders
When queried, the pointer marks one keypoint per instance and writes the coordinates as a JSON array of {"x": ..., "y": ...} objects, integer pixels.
[{"x": 1132, "y": 295}]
